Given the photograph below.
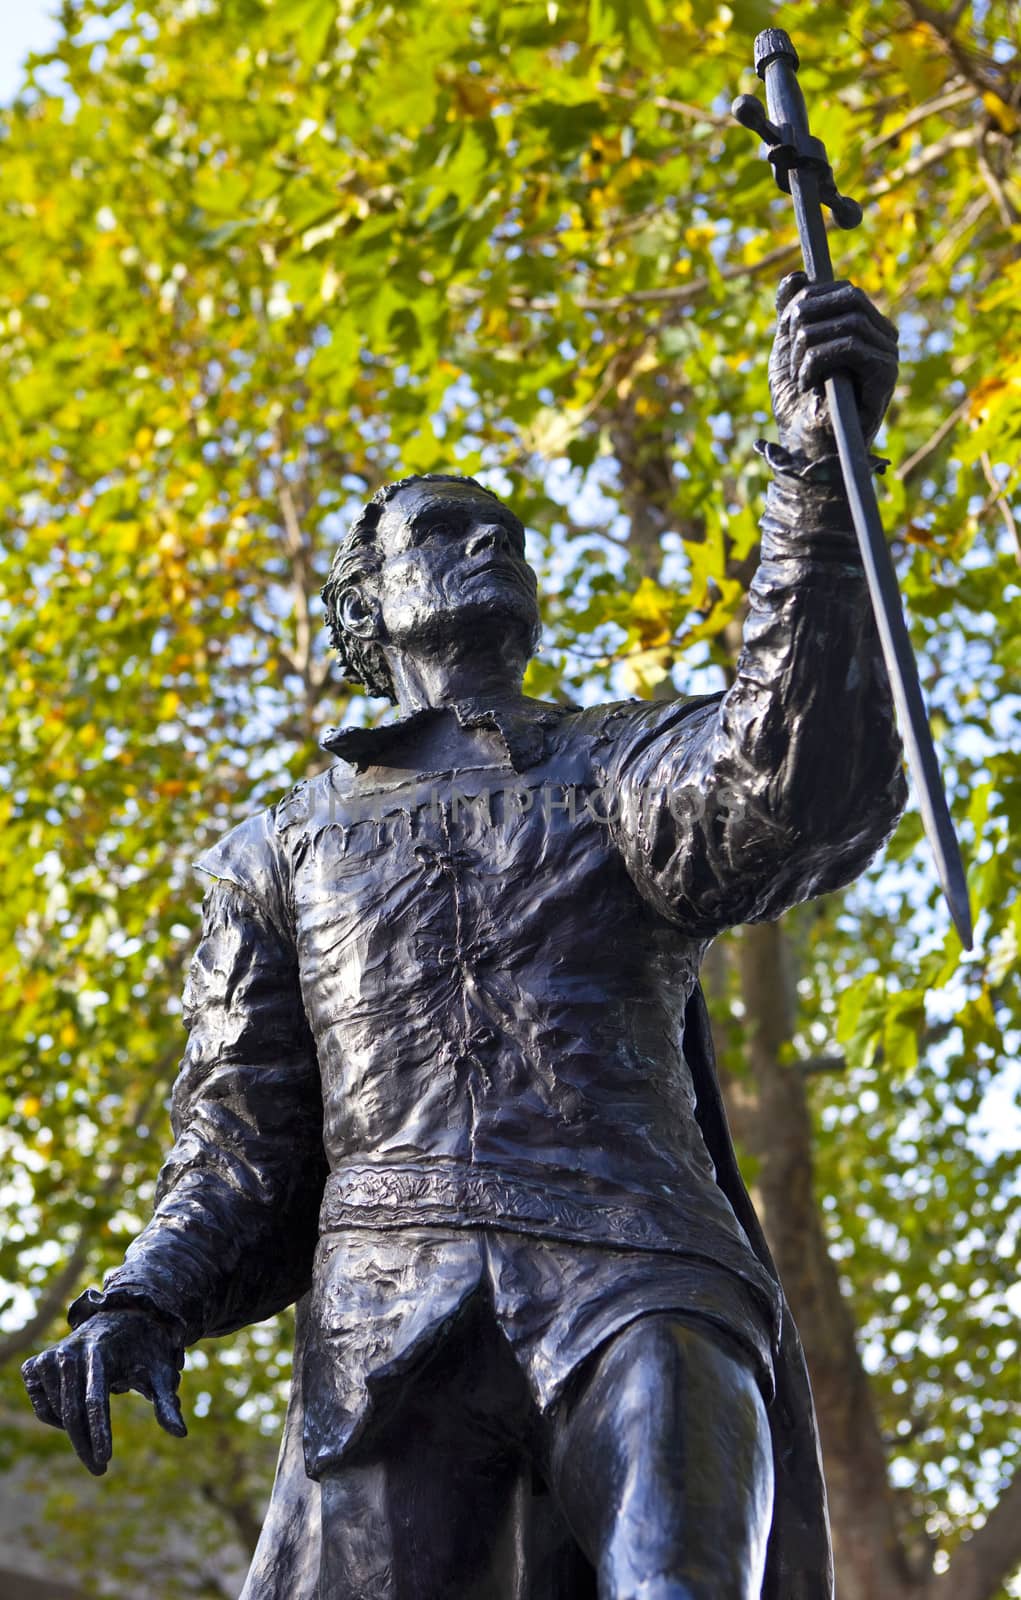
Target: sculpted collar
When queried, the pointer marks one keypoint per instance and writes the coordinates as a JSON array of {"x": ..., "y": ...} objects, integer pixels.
[{"x": 521, "y": 723}]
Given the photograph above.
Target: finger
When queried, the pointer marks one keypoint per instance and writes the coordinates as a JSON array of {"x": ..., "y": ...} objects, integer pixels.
[
  {"x": 72, "y": 1409},
  {"x": 822, "y": 302},
  {"x": 49, "y": 1371},
  {"x": 165, "y": 1402},
  {"x": 33, "y": 1380},
  {"x": 788, "y": 288},
  {"x": 856, "y": 326},
  {"x": 97, "y": 1408},
  {"x": 849, "y": 356}
]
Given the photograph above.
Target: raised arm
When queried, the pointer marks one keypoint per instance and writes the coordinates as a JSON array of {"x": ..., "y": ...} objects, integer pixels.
[
  {"x": 234, "y": 1229},
  {"x": 784, "y": 787}
]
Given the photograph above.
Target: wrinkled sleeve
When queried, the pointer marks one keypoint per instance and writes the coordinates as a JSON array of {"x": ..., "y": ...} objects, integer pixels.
[
  {"x": 234, "y": 1229},
  {"x": 784, "y": 787}
]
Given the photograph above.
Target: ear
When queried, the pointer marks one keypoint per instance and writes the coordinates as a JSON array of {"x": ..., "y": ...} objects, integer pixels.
[{"x": 359, "y": 612}]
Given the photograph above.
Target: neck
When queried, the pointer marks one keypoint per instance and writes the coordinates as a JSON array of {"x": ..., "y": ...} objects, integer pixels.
[{"x": 431, "y": 684}]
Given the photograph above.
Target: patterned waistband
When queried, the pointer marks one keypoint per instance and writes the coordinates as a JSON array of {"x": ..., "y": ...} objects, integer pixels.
[{"x": 458, "y": 1197}]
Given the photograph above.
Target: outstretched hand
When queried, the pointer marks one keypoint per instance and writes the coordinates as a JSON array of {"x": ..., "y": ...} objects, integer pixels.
[
  {"x": 70, "y": 1384},
  {"x": 823, "y": 329}
]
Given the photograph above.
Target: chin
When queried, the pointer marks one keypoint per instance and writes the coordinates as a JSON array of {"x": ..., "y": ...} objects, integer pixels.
[
  {"x": 510, "y": 613},
  {"x": 498, "y": 618}
]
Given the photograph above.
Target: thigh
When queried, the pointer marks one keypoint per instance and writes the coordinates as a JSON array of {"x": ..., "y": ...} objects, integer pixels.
[
  {"x": 430, "y": 1506},
  {"x": 661, "y": 1459}
]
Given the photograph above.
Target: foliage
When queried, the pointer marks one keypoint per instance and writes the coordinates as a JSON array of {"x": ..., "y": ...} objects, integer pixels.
[{"x": 255, "y": 258}]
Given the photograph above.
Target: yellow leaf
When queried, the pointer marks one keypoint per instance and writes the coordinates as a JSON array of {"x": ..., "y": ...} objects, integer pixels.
[
  {"x": 643, "y": 671},
  {"x": 651, "y": 613},
  {"x": 1005, "y": 117},
  {"x": 471, "y": 97}
]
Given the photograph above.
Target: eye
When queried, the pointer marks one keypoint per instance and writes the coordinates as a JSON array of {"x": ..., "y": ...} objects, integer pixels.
[{"x": 438, "y": 530}]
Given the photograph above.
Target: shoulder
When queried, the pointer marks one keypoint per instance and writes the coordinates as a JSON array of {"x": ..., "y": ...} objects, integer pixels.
[
  {"x": 256, "y": 856},
  {"x": 245, "y": 855},
  {"x": 623, "y": 728}
]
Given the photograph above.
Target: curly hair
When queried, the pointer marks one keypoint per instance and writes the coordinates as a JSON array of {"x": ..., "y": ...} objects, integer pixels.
[{"x": 357, "y": 559}]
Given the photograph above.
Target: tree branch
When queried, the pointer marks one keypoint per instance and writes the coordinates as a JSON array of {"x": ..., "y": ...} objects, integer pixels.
[
  {"x": 813, "y": 1066},
  {"x": 995, "y": 187},
  {"x": 948, "y": 243},
  {"x": 683, "y": 293},
  {"x": 908, "y": 468},
  {"x": 227, "y": 1493},
  {"x": 968, "y": 64},
  {"x": 930, "y": 108},
  {"x": 62, "y": 1285},
  {"x": 959, "y": 139},
  {"x": 999, "y": 498},
  {"x": 59, "y": 1290},
  {"x": 675, "y": 295},
  {"x": 680, "y": 108}
]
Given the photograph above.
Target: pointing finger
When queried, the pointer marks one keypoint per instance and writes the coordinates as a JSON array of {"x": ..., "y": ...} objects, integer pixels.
[
  {"x": 97, "y": 1408},
  {"x": 72, "y": 1409}
]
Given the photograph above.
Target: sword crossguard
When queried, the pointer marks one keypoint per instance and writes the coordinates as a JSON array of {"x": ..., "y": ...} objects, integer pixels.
[{"x": 789, "y": 143}]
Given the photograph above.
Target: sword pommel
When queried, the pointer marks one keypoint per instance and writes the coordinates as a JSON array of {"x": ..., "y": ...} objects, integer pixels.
[{"x": 772, "y": 44}]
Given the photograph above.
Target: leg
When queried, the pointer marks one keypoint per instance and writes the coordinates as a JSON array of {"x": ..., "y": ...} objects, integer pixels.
[
  {"x": 418, "y": 1525},
  {"x": 662, "y": 1462},
  {"x": 430, "y": 1507}
]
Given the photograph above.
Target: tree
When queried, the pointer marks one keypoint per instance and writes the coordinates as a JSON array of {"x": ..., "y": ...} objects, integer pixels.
[{"x": 258, "y": 257}]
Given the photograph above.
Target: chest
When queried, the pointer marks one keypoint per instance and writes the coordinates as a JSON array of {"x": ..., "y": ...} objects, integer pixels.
[{"x": 512, "y": 861}]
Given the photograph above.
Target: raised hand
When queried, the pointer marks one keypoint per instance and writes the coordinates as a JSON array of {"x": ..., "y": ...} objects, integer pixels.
[
  {"x": 70, "y": 1384},
  {"x": 823, "y": 329}
]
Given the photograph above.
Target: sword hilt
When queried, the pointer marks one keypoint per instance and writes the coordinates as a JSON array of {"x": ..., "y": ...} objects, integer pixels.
[{"x": 789, "y": 142}]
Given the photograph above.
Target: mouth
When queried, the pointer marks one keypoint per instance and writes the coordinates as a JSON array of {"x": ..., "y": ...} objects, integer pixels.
[{"x": 500, "y": 569}]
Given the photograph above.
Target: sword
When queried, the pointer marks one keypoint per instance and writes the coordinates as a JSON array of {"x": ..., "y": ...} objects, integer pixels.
[{"x": 803, "y": 171}]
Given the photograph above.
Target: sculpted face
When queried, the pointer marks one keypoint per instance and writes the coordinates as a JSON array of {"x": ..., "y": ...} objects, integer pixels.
[{"x": 453, "y": 572}]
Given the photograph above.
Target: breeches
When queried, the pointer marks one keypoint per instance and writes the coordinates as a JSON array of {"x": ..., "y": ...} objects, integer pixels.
[
  {"x": 384, "y": 1301},
  {"x": 649, "y": 1479}
]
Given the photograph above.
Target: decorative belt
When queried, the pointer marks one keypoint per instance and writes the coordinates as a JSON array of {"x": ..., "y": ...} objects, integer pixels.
[{"x": 459, "y": 1197}]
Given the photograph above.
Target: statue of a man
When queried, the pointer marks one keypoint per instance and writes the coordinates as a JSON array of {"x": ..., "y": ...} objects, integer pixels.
[{"x": 448, "y": 1067}]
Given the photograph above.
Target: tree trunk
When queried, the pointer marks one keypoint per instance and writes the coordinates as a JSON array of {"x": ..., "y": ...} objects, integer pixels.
[{"x": 771, "y": 1123}]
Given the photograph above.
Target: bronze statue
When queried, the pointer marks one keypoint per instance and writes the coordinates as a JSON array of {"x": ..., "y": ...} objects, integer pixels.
[{"x": 449, "y": 1076}]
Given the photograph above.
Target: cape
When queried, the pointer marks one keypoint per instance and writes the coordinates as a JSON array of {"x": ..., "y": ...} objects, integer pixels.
[{"x": 799, "y": 1564}]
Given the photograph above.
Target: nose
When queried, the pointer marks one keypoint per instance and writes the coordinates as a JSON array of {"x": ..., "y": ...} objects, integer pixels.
[{"x": 490, "y": 536}]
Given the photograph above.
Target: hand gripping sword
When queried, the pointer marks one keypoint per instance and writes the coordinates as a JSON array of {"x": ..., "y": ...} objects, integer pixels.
[{"x": 803, "y": 171}]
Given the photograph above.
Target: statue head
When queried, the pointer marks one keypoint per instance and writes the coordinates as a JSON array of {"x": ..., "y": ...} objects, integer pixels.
[{"x": 433, "y": 566}]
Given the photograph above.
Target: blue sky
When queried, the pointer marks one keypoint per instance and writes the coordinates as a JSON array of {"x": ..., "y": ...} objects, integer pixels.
[{"x": 24, "y": 25}]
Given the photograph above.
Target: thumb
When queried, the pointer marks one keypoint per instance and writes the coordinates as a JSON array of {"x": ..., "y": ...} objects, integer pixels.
[
  {"x": 166, "y": 1404},
  {"x": 787, "y": 288}
]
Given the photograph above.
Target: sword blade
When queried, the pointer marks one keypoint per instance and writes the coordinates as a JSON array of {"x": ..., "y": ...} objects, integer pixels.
[
  {"x": 777, "y": 62},
  {"x": 898, "y": 654}
]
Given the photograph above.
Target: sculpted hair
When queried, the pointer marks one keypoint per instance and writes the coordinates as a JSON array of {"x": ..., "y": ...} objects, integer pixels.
[{"x": 356, "y": 562}]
